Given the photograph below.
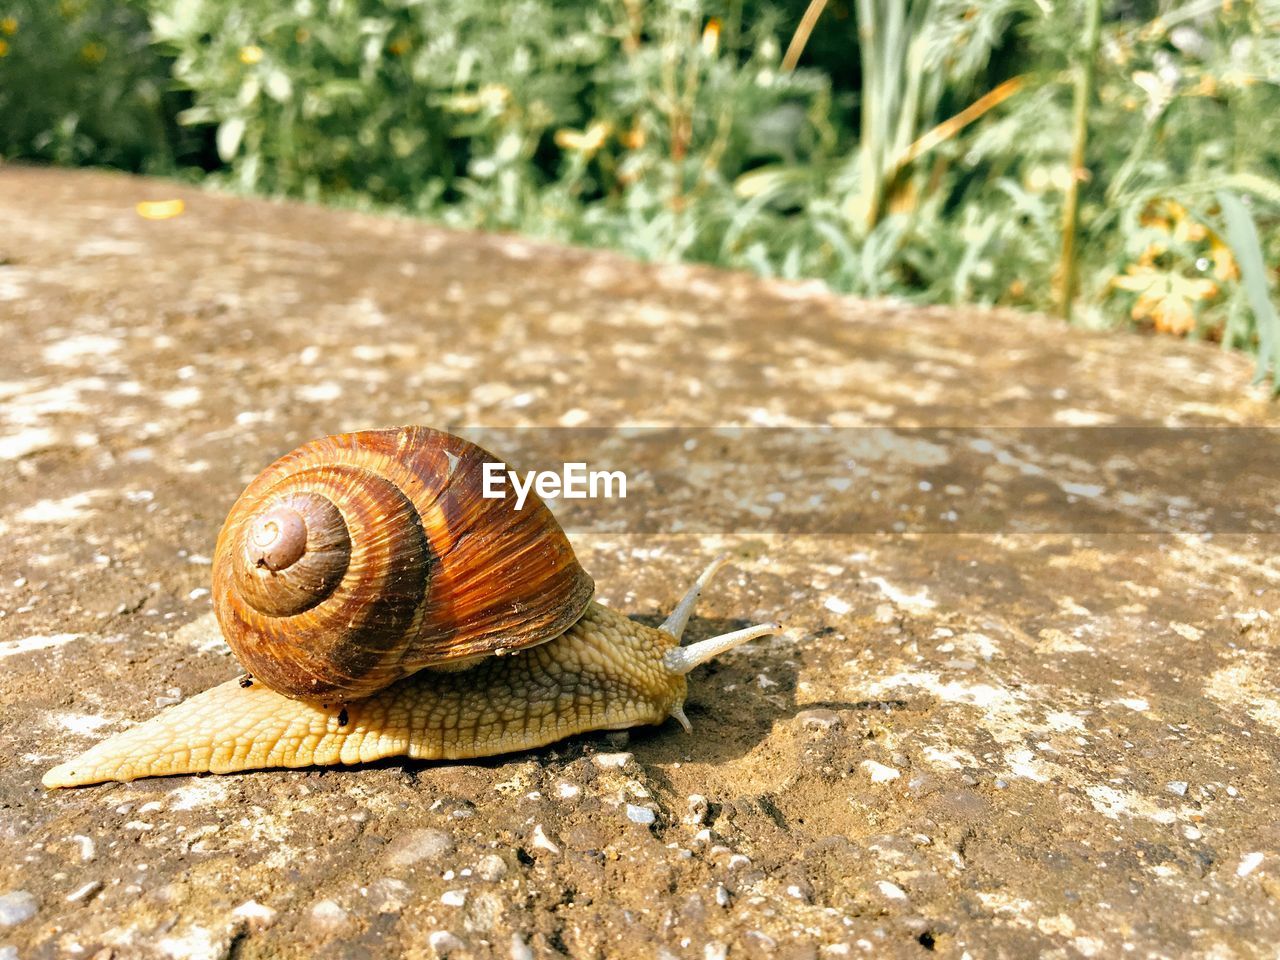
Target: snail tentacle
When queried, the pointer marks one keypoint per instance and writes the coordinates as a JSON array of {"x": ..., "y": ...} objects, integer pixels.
[
  {"x": 679, "y": 618},
  {"x": 681, "y": 660},
  {"x": 677, "y": 714}
]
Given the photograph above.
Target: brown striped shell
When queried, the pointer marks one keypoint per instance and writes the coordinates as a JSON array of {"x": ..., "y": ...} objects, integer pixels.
[{"x": 358, "y": 559}]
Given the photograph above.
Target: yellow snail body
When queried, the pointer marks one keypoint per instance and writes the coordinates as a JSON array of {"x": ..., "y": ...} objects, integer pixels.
[{"x": 383, "y": 607}]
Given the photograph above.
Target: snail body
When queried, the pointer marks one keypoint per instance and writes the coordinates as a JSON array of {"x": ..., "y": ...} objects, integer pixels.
[{"x": 384, "y": 608}]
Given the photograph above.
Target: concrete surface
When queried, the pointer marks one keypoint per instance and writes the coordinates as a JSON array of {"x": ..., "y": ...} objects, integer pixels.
[{"x": 988, "y": 746}]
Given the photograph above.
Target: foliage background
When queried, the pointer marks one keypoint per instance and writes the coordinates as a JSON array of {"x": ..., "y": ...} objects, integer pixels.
[{"x": 918, "y": 148}]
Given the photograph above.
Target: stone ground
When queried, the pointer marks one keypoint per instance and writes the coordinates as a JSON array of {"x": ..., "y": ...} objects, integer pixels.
[{"x": 999, "y": 745}]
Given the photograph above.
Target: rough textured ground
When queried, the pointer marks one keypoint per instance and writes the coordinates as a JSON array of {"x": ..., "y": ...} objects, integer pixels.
[{"x": 995, "y": 746}]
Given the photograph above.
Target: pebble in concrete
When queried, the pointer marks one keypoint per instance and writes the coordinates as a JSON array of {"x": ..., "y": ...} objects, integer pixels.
[{"x": 17, "y": 906}]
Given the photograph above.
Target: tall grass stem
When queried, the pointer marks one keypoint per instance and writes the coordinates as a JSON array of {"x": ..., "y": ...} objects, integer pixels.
[
  {"x": 801, "y": 36},
  {"x": 1079, "y": 141}
]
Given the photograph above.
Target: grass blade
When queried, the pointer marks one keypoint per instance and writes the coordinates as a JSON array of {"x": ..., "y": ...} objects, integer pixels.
[{"x": 1242, "y": 235}]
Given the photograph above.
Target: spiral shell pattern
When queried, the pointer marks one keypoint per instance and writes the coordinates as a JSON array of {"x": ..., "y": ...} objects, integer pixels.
[{"x": 358, "y": 559}]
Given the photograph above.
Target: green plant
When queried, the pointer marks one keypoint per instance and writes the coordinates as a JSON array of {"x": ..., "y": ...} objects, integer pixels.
[
  {"x": 913, "y": 53},
  {"x": 1082, "y": 100},
  {"x": 919, "y": 148},
  {"x": 1242, "y": 234},
  {"x": 81, "y": 83},
  {"x": 1201, "y": 87},
  {"x": 620, "y": 124}
]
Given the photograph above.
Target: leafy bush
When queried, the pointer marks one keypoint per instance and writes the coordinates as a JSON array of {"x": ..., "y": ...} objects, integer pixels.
[
  {"x": 921, "y": 148},
  {"x": 1188, "y": 135},
  {"x": 666, "y": 129},
  {"x": 81, "y": 83},
  {"x": 612, "y": 124}
]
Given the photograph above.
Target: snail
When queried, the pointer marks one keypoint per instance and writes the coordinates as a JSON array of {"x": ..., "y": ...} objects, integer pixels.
[{"x": 383, "y": 606}]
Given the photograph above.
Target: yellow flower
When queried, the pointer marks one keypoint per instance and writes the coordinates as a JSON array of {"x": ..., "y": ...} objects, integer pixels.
[
  {"x": 1206, "y": 86},
  {"x": 399, "y": 46},
  {"x": 632, "y": 139},
  {"x": 4, "y": 47},
  {"x": 1166, "y": 299},
  {"x": 1186, "y": 229},
  {"x": 9, "y": 26},
  {"x": 159, "y": 209},
  {"x": 586, "y": 141},
  {"x": 250, "y": 55},
  {"x": 1172, "y": 218},
  {"x": 492, "y": 96},
  {"x": 93, "y": 52},
  {"x": 711, "y": 37},
  {"x": 1224, "y": 261}
]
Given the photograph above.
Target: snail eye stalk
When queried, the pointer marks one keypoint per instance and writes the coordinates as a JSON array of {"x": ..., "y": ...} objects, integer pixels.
[{"x": 683, "y": 659}]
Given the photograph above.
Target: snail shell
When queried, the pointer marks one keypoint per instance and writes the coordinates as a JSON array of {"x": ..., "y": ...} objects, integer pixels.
[{"x": 361, "y": 558}]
